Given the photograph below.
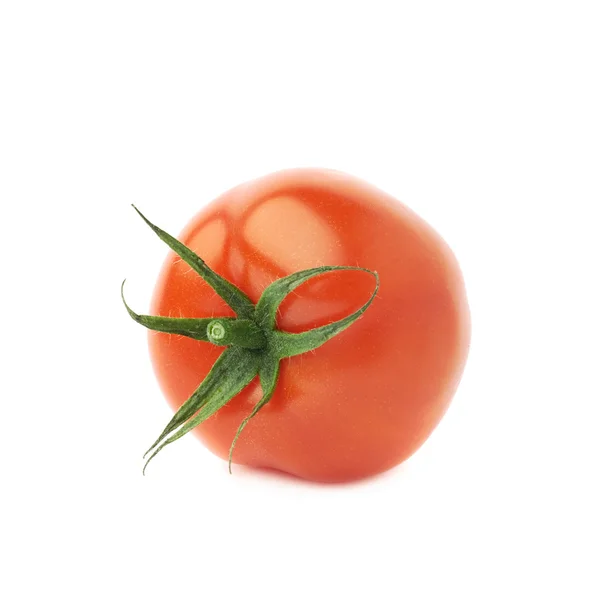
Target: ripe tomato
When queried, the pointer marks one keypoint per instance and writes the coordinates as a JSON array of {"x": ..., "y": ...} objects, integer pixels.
[{"x": 368, "y": 398}]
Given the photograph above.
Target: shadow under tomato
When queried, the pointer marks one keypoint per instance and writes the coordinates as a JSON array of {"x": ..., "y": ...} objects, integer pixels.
[{"x": 277, "y": 476}]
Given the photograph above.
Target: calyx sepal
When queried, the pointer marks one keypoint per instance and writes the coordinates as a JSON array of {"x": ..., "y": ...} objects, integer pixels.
[{"x": 254, "y": 345}]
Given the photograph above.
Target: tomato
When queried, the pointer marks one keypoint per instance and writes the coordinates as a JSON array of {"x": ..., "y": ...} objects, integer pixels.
[{"x": 368, "y": 398}]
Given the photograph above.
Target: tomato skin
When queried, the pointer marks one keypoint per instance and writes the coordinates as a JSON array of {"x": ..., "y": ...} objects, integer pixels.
[{"x": 367, "y": 399}]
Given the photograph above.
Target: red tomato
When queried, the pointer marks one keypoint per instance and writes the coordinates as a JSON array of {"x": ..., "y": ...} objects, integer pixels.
[{"x": 368, "y": 398}]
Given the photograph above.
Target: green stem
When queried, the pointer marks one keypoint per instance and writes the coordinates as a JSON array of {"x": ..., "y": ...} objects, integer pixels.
[{"x": 236, "y": 332}]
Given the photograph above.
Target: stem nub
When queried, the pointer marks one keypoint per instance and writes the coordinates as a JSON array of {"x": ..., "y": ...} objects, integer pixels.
[{"x": 243, "y": 333}]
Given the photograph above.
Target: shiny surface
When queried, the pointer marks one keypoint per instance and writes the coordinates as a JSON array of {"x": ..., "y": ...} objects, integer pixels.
[{"x": 367, "y": 399}]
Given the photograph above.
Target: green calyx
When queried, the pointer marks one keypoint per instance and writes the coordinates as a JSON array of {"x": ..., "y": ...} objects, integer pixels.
[{"x": 254, "y": 345}]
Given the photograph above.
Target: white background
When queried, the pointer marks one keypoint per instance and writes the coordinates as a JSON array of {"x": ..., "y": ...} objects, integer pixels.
[{"x": 481, "y": 116}]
